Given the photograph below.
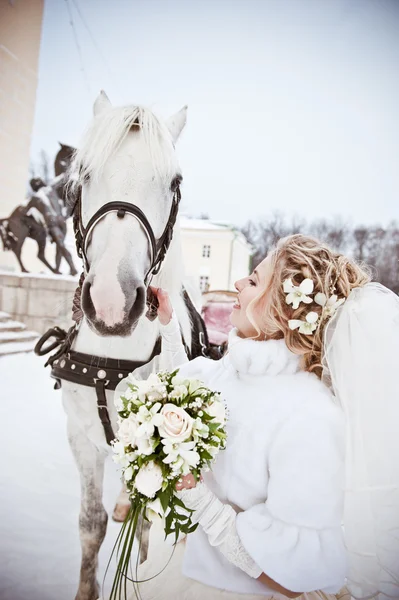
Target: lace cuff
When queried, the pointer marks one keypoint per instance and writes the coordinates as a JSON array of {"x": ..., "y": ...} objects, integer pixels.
[{"x": 218, "y": 520}]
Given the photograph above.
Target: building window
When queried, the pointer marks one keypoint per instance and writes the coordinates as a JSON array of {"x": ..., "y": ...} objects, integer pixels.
[
  {"x": 206, "y": 251},
  {"x": 204, "y": 283}
]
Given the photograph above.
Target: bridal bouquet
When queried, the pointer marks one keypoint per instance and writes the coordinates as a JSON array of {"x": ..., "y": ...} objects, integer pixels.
[{"x": 168, "y": 427}]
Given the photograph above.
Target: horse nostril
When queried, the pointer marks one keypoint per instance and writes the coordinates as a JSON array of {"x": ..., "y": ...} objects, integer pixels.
[
  {"x": 138, "y": 303},
  {"x": 87, "y": 302}
]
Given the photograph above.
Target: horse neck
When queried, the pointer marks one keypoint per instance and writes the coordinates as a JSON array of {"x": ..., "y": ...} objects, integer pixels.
[{"x": 139, "y": 345}]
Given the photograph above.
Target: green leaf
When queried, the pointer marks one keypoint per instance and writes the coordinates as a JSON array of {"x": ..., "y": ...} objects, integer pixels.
[
  {"x": 192, "y": 528},
  {"x": 205, "y": 455},
  {"x": 169, "y": 521},
  {"x": 213, "y": 427},
  {"x": 178, "y": 502},
  {"x": 164, "y": 498},
  {"x": 177, "y": 531}
]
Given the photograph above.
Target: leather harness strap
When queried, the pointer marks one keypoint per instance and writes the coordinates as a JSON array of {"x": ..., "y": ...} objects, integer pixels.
[
  {"x": 91, "y": 371},
  {"x": 102, "y": 409}
]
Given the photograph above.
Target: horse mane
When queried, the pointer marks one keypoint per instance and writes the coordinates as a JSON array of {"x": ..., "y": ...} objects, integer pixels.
[{"x": 106, "y": 133}]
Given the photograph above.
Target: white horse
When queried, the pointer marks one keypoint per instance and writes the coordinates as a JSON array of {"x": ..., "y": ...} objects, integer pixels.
[{"x": 127, "y": 155}]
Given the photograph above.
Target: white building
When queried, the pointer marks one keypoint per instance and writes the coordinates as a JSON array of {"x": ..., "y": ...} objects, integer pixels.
[{"x": 215, "y": 255}]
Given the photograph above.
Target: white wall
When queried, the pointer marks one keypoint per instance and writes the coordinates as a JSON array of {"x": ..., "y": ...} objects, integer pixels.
[
  {"x": 229, "y": 255},
  {"x": 20, "y": 31},
  {"x": 240, "y": 262}
]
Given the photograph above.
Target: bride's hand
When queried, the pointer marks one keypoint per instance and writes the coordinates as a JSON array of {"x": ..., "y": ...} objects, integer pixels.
[
  {"x": 187, "y": 482},
  {"x": 165, "y": 309}
]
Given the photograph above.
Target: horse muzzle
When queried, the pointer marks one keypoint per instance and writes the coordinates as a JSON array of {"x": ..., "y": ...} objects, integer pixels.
[{"x": 112, "y": 311}]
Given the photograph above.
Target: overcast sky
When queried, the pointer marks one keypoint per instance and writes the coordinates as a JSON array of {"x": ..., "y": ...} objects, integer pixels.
[{"x": 293, "y": 104}]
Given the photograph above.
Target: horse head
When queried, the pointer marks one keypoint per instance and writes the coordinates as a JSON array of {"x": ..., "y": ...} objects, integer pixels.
[
  {"x": 127, "y": 158},
  {"x": 63, "y": 159}
]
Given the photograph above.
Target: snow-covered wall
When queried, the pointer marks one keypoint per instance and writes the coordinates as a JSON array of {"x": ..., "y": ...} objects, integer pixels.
[{"x": 39, "y": 301}]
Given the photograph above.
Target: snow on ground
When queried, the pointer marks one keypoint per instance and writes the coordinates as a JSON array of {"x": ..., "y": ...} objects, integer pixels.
[{"x": 39, "y": 489}]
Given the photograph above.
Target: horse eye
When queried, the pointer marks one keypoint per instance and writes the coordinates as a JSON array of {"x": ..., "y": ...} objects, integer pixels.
[
  {"x": 176, "y": 181},
  {"x": 86, "y": 176}
]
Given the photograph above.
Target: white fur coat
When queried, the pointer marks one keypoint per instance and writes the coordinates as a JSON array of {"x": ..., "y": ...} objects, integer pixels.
[{"x": 282, "y": 471}]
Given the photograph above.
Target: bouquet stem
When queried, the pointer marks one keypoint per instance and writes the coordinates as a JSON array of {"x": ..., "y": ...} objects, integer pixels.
[{"x": 123, "y": 550}]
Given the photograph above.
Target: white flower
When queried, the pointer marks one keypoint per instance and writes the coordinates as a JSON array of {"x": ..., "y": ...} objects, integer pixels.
[
  {"x": 179, "y": 391},
  {"x": 194, "y": 385},
  {"x": 296, "y": 294},
  {"x": 176, "y": 381},
  {"x": 128, "y": 474},
  {"x": 180, "y": 455},
  {"x": 145, "y": 445},
  {"x": 149, "y": 418},
  {"x": 177, "y": 423},
  {"x": 306, "y": 327},
  {"x": 213, "y": 450},
  {"x": 200, "y": 429},
  {"x": 149, "y": 479},
  {"x": 217, "y": 410},
  {"x": 128, "y": 429},
  {"x": 125, "y": 459},
  {"x": 330, "y": 305},
  {"x": 131, "y": 379},
  {"x": 154, "y": 509},
  {"x": 119, "y": 404},
  {"x": 129, "y": 394},
  {"x": 152, "y": 386},
  {"x": 118, "y": 448}
]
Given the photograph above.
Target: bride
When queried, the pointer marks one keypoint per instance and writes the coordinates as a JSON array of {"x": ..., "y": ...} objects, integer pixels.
[{"x": 308, "y": 397}]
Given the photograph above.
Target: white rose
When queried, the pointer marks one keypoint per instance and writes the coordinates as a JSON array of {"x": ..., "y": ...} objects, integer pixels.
[
  {"x": 217, "y": 410},
  {"x": 127, "y": 430},
  {"x": 177, "y": 423},
  {"x": 149, "y": 479}
]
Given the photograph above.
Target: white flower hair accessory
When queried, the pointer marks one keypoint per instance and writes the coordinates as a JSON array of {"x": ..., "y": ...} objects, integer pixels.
[
  {"x": 306, "y": 327},
  {"x": 301, "y": 293},
  {"x": 329, "y": 305},
  {"x": 298, "y": 294}
]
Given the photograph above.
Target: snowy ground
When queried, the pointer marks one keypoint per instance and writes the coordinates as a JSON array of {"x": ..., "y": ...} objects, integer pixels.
[{"x": 39, "y": 489}]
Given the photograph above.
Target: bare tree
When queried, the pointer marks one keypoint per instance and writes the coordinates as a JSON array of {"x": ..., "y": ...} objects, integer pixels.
[{"x": 375, "y": 246}]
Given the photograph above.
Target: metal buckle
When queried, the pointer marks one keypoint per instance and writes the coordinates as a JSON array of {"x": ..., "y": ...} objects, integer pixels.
[
  {"x": 202, "y": 344},
  {"x": 105, "y": 381}
]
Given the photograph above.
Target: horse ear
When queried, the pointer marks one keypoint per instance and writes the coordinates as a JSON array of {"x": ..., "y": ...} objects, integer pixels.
[
  {"x": 61, "y": 145},
  {"x": 176, "y": 123},
  {"x": 101, "y": 104}
]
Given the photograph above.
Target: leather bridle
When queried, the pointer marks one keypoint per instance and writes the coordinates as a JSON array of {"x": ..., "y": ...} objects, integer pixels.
[{"x": 158, "y": 248}]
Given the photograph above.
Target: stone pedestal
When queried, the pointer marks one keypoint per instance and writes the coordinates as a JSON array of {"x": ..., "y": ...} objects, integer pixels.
[{"x": 38, "y": 301}]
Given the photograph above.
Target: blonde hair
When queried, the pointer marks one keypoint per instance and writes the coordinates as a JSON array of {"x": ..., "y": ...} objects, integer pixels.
[{"x": 298, "y": 257}]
